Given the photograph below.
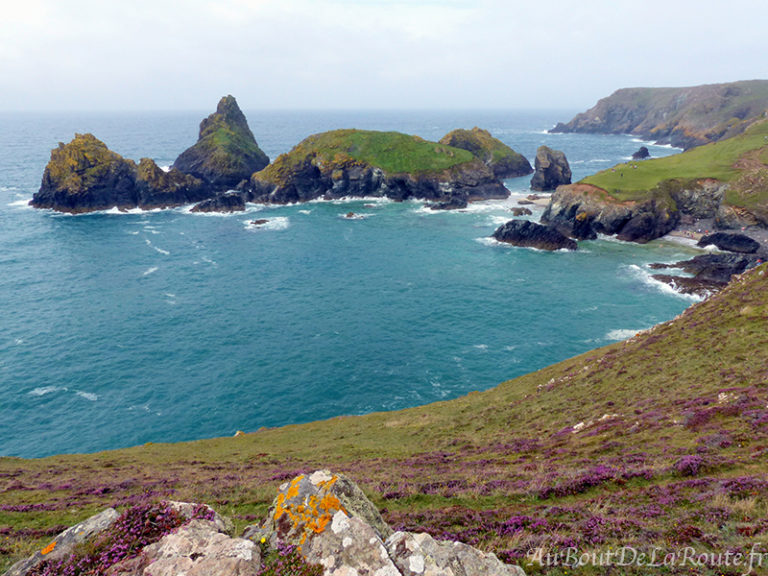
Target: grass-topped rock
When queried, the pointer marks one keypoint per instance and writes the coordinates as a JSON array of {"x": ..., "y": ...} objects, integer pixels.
[
  {"x": 725, "y": 182},
  {"x": 85, "y": 175},
  {"x": 377, "y": 164},
  {"x": 503, "y": 160},
  {"x": 226, "y": 151}
]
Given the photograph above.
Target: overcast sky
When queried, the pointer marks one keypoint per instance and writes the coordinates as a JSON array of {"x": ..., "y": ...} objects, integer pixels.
[{"x": 185, "y": 54}]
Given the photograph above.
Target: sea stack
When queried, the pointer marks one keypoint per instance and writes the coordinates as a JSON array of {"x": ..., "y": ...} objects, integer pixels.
[
  {"x": 226, "y": 153},
  {"x": 552, "y": 170}
]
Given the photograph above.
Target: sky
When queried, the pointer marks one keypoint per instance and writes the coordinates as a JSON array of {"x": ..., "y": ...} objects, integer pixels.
[{"x": 367, "y": 54}]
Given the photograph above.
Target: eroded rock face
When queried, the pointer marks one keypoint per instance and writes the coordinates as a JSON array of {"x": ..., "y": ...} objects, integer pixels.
[
  {"x": 156, "y": 188},
  {"x": 583, "y": 211},
  {"x": 710, "y": 272},
  {"x": 641, "y": 154},
  {"x": 503, "y": 160},
  {"x": 422, "y": 555},
  {"x": 552, "y": 170},
  {"x": 528, "y": 234},
  {"x": 226, "y": 152},
  {"x": 227, "y": 202},
  {"x": 197, "y": 549}
]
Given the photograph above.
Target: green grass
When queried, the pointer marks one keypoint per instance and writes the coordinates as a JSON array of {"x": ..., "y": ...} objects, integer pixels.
[
  {"x": 696, "y": 386},
  {"x": 393, "y": 152},
  {"x": 714, "y": 160}
]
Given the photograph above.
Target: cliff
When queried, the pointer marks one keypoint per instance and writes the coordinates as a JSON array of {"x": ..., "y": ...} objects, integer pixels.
[
  {"x": 226, "y": 151},
  {"x": 503, "y": 160},
  {"x": 377, "y": 164},
  {"x": 684, "y": 117}
]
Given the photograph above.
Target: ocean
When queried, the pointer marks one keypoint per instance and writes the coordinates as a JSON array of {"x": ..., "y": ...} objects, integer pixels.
[{"x": 125, "y": 328}]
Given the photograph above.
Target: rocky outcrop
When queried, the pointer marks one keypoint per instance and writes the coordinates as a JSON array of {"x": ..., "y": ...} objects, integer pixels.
[
  {"x": 227, "y": 202},
  {"x": 85, "y": 175},
  {"x": 521, "y": 211},
  {"x": 61, "y": 546},
  {"x": 710, "y": 272},
  {"x": 226, "y": 152},
  {"x": 684, "y": 117},
  {"x": 528, "y": 234},
  {"x": 503, "y": 160},
  {"x": 374, "y": 164},
  {"x": 731, "y": 242},
  {"x": 583, "y": 211},
  {"x": 641, "y": 154},
  {"x": 552, "y": 170}
]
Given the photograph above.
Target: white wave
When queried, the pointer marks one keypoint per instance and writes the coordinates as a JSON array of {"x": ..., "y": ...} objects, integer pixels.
[
  {"x": 165, "y": 168},
  {"x": 355, "y": 216},
  {"x": 43, "y": 390},
  {"x": 501, "y": 220},
  {"x": 18, "y": 341},
  {"x": 87, "y": 395},
  {"x": 209, "y": 261},
  {"x": 620, "y": 334},
  {"x": 161, "y": 251},
  {"x": 480, "y": 346},
  {"x": 348, "y": 199},
  {"x": 150, "y": 270},
  {"x": 134, "y": 233},
  {"x": 21, "y": 203},
  {"x": 489, "y": 241},
  {"x": 645, "y": 276},
  {"x": 305, "y": 211},
  {"x": 8, "y": 188},
  {"x": 276, "y": 223}
]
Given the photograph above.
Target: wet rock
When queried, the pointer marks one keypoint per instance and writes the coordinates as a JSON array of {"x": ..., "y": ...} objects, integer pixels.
[
  {"x": 731, "y": 242},
  {"x": 531, "y": 235},
  {"x": 455, "y": 203},
  {"x": 521, "y": 212},
  {"x": 228, "y": 202},
  {"x": 641, "y": 154},
  {"x": 552, "y": 170},
  {"x": 710, "y": 272}
]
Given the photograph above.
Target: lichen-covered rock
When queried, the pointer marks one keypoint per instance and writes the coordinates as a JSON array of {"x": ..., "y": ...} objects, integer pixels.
[
  {"x": 422, "y": 555},
  {"x": 227, "y": 202},
  {"x": 84, "y": 175},
  {"x": 503, "y": 160},
  {"x": 226, "y": 151},
  {"x": 528, "y": 234},
  {"x": 62, "y": 545},
  {"x": 197, "y": 549},
  {"x": 552, "y": 170},
  {"x": 367, "y": 163},
  {"x": 731, "y": 242}
]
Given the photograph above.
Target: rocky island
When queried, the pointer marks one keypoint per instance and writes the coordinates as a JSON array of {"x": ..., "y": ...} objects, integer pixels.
[
  {"x": 85, "y": 175},
  {"x": 503, "y": 160},
  {"x": 367, "y": 163},
  {"x": 684, "y": 117}
]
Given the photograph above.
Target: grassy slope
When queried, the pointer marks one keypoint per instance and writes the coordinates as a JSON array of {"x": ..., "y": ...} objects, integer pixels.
[
  {"x": 671, "y": 452},
  {"x": 393, "y": 152},
  {"x": 715, "y": 161}
]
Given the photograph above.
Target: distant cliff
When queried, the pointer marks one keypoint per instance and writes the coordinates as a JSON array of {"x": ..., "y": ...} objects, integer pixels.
[{"x": 684, "y": 117}]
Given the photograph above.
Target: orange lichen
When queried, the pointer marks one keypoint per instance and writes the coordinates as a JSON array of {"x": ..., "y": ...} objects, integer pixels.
[{"x": 48, "y": 549}]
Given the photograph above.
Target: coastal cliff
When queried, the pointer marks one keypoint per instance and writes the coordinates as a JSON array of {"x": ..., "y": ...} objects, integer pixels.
[
  {"x": 684, "y": 117},
  {"x": 374, "y": 164}
]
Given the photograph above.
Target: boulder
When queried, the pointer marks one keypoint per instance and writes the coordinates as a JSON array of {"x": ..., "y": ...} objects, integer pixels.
[
  {"x": 196, "y": 549},
  {"x": 710, "y": 272},
  {"x": 552, "y": 170},
  {"x": 731, "y": 242},
  {"x": 61, "y": 546},
  {"x": 641, "y": 154},
  {"x": 226, "y": 152},
  {"x": 528, "y": 234},
  {"x": 455, "y": 203},
  {"x": 521, "y": 211},
  {"x": 422, "y": 555},
  {"x": 227, "y": 202},
  {"x": 503, "y": 160}
]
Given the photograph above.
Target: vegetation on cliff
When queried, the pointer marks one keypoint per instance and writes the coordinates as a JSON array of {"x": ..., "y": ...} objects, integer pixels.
[
  {"x": 226, "y": 151},
  {"x": 656, "y": 442},
  {"x": 685, "y": 117},
  {"x": 503, "y": 160}
]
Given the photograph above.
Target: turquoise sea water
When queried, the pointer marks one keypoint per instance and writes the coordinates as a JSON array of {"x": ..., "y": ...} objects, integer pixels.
[{"x": 119, "y": 329}]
